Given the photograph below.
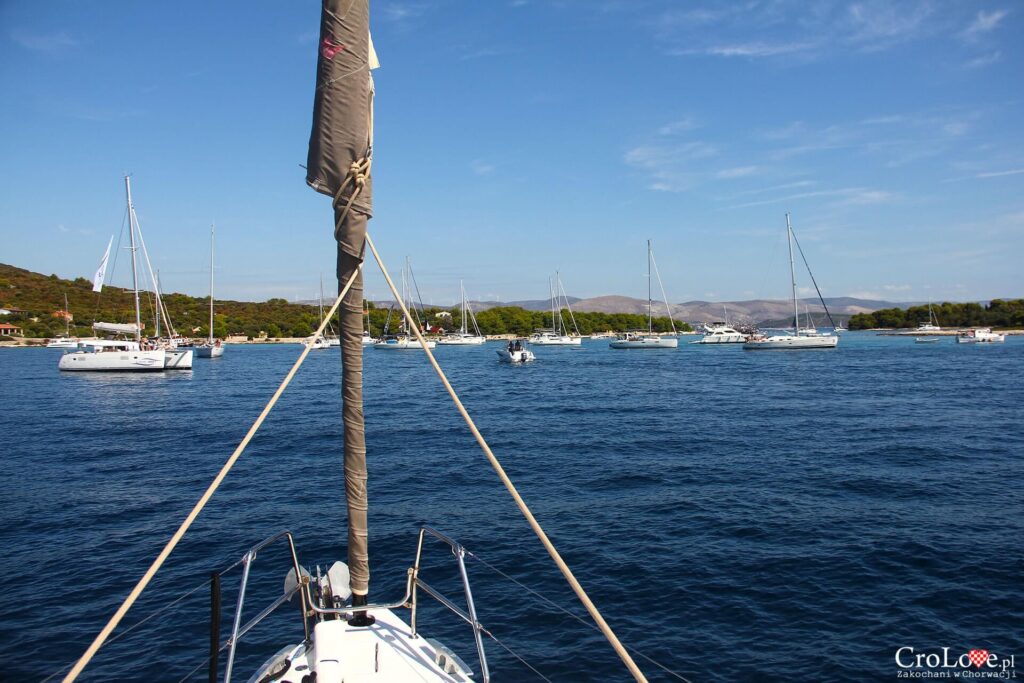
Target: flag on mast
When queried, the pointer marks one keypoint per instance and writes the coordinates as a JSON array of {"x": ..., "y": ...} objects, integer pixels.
[{"x": 101, "y": 272}]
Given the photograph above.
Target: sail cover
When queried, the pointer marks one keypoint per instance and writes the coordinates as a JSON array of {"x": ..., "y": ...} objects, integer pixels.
[
  {"x": 342, "y": 133},
  {"x": 340, "y": 149}
]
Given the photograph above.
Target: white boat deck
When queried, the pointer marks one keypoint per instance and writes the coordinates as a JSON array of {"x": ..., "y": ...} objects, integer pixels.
[{"x": 384, "y": 651}]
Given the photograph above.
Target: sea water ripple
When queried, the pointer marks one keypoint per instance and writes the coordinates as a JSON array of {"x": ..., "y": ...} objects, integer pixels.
[{"x": 737, "y": 516}]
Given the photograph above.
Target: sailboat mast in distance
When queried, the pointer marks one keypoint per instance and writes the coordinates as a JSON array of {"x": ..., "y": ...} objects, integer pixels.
[
  {"x": 210, "y": 338},
  {"x": 792, "y": 275},
  {"x": 650, "y": 313},
  {"x": 135, "y": 273}
]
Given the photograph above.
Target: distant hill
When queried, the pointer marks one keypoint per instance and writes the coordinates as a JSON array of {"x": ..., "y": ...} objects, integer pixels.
[
  {"x": 42, "y": 295},
  {"x": 38, "y": 297},
  {"x": 749, "y": 312}
]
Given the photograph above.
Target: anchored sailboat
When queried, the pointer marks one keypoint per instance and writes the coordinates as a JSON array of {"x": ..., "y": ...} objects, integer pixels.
[
  {"x": 463, "y": 336},
  {"x": 558, "y": 334},
  {"x": 212, "y": 348},
  {"x": 404, "y": 340},
  {"x": 640, "y": 339},
  {"x": 933, "y": 323},
  {"x": 806, "y": 338},
  {"x": 119, "y": 355}
]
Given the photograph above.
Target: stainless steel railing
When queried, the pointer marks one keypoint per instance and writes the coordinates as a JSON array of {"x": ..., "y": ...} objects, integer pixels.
[{"x": 311, "y": 609}]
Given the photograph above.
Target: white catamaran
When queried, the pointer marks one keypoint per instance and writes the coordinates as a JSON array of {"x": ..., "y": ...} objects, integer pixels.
[
  {"x": 806, "y": 338},
  {"x": 641, "y": 339},
  {"x": 129, "y": 355},
  {"x": 463, "y": 336},
  {"x": 213, "y": 348}
]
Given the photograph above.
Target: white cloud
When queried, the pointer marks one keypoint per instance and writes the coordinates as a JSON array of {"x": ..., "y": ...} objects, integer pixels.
[
  {"x": 1000, "y": 174},
  {"x": 671, "y": 167},
  {"x": 984, "y": 60},
  {"x": 738, "y": 172},
  {"x": 480, "y": 167},
  {"x": 680, "y": 126},
  {"x": 751, "y": 50},
  {"x": 984, "y": 22},
  {"x": 50, "y": 43},
  {"x": 956, "y": 127}
]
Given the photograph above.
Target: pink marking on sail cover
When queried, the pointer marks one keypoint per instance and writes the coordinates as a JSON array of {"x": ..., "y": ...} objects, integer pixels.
[{"x": 328, "y": 48}]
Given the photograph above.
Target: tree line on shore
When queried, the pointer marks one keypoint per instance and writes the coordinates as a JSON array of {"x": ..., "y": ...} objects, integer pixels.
[
  {"x": 37, "y": 299},
  {"x": 998, "y": 313}
]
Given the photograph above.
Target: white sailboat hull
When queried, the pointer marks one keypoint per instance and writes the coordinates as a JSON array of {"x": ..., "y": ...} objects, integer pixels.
[
  {"x": 459, "y": 340},
  {"x": 782, "y": 342},
  {"x": 402, "y": 345},
  {"x": 645, "y": 343},
  {"x": 178, "y": 359},
  {"x": 207, "y": 351},
  {"x": 113, "y": 361},
  {"x": 556, "y": 341}
]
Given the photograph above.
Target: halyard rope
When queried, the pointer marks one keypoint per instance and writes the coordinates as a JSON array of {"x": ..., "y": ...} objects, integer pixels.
[
  {"x": 158, "y": 562},
  {"x": 520, "y": 503}
]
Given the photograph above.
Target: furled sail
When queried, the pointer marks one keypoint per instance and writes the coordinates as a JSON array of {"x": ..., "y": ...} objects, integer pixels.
[{"x": 340, "y": 152}]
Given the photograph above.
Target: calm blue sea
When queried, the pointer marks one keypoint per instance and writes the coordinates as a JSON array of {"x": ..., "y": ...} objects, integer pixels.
[{"x": 737, "y": 516}]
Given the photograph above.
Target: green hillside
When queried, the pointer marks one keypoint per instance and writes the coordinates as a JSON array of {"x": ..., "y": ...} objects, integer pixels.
[
  {"x": 998, "y": 313},
  {"x": 39, "y": 296}
]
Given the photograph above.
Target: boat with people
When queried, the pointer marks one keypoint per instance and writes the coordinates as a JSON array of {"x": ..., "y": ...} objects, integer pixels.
[
  {"x": 649, "y": 339},
  {"x": 129, "y": 351},
  {"x": 516, "y": 352},
  {"x": 980, "y": 335},
  {"x": 211, "y": 348},
  {"x": 801, "y": 338},
  {"x": 463, "y": 337},
  {"x": 558, "y": 334}
]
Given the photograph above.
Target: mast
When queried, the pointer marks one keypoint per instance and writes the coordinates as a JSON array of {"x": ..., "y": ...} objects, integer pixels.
[
  {"x": 792, "y": 275},
  {"x": 462, "y": 289},
  {"x": 211, "y": 285},
  {"x": 135, "y": 273},
  {"x": 551, "y": 297},
  {"x": 67, "y": 318},
  {"x": 159, "y": 306},
  {"x": 405, "y": 294},
  {"x": 650, "y": 313}
]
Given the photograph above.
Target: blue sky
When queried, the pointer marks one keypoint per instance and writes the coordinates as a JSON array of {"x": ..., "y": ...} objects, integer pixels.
[{"x": 517, "y": 137}]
